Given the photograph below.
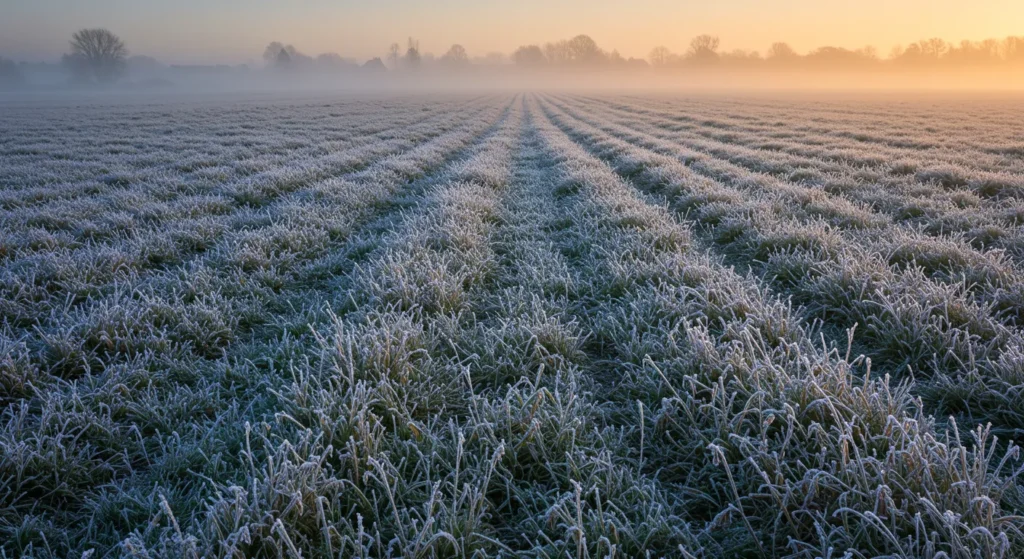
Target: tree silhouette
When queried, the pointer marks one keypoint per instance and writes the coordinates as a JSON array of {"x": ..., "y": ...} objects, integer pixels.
[
  {"x": 926, "y": 52},
  {"x": 782, "y": 52},
  {"x": 704, "y": 52},
  {"x": 934, "y": 48},
  {"x": 557, "y": 53},
  {"x": 704, "y": 48},
  {"x": 455, "y": 57},
  {"x": 412, "y": 57},
  {"x": 660, "y": 56},
  {"x": 272, "y": 56},
  {"x": 529, "y": 55},
  {"x": 96, "y": 55},
  {"x": 1013, "y": 49},
  {"x": 270, "y": 53},
  {"x": 283, "y": 60},
  {"x": 394, "y": 52},
  {"x": 584, "y": 50},
  {"x": 375, "y": 65}
]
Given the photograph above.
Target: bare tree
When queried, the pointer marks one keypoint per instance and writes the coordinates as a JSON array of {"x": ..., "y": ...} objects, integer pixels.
[
  {"x": 934, "y": 48},
  {"x": 456, "y": 56},
  {"x": 929, "y": 51},
  {"x": 584, "y": 50},
  {"x": 394, "y": 51},
  {"x": 660, "y": 56},
  {"x": 529, "y": 55},
  {"x": 1012, "y": 49},
  {"x": 412, "y": 56},
  {"x": 271, "y": 53},
  {"x": 868, "y": 52},
  {"x": 704, "y": 48},
  {"x": 557, "y": 53},
  {"x": 782, "y": 52},
  {"x": 96, "y": 55}
]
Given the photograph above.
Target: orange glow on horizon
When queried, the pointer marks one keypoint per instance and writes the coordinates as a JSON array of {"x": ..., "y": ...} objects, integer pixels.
[{"x": 237, "y": 30}]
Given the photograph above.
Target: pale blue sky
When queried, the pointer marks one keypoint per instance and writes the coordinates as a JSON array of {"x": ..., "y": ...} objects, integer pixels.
[{"x": 237, "y": 30}]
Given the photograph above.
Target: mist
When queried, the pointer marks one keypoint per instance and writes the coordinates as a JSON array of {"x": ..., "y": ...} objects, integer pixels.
[
  {"x": 578, "y": 62},
  {"x": 227, "y": 45}
]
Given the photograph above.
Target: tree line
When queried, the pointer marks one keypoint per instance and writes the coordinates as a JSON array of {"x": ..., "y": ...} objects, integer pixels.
[
  {"x": 930, "y": 53},
  {"x": 98, "y": 56},
  {"x": 704, "y": 51},
  {"x": 95, "y": 56},
  {"x": 286, "y": 57}
]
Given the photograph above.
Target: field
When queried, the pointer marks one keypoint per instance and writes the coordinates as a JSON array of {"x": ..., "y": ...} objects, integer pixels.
[{"x": 535, "y": 325}]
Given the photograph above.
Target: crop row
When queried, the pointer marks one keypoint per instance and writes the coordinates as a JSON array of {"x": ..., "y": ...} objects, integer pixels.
[
  {"x": 125, "y": 405},
  {"x": 540, "y": 327},
  {"x": 943, "y": 202},
  {"x": 922, "y": 307}
]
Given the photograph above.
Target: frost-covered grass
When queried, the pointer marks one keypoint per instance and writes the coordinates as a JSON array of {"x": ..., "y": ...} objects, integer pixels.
[{"x": 511, "y": 325}]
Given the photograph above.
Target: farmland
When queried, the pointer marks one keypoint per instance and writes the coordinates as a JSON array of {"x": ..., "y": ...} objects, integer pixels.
[{"x": 536, "y": 325}]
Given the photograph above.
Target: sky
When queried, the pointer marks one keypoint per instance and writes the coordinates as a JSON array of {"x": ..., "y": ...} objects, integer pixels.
[{"x": 236, "y": 31}]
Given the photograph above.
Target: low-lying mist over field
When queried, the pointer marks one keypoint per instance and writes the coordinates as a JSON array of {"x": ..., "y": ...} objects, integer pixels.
[{"x": 100, "y": 61}]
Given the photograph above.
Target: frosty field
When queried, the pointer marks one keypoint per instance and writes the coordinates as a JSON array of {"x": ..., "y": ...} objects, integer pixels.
[{"x": 498, "y": 325}]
